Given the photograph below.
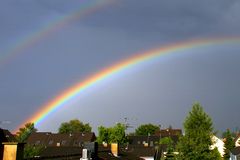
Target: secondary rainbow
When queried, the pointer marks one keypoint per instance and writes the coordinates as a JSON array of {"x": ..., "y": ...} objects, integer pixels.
[
  {"x": 139, "y": 58},
  {"x": 86, "y": 7}
]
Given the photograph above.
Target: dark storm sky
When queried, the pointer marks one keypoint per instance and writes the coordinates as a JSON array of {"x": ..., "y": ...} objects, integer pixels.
[{"x": 160, "y": 91}]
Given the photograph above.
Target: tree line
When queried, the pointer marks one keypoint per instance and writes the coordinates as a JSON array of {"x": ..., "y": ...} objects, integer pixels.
[{"x": 193, "y": 144}]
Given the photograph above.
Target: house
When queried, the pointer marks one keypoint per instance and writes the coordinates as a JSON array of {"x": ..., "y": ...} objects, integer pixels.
[
  {"x": 144, "y": 140},
  {"x": 219, "y": 144},
  {"x": 5, "y": 136},
  {"x": 103, "y": 153},
  {"x": 237, "y": 140},
  {"x": 169, "y": 132},
  {"x": 70, "y": 146},
  {"x": 126, "y": 152},
  {"x": 49, "y": 139},
  {"x": 153, "y": 140},
  {"x": 143, "y": 152},
  {"x": 174, "y": 134},
  {"x": 10, "y": 149}
]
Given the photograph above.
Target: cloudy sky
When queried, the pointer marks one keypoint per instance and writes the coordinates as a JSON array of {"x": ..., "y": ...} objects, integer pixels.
[{"x": 48, "y": 46}]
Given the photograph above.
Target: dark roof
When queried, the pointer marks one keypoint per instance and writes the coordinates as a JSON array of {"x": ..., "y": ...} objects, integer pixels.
[
  {"x": 169, "y": 132},
  {"x": 6, "y": 136},
  {"x": 38, "y": 138},
  {"x": 236, "y": 151},
  {"x": 54, "y": 152},
  {"x": 154, "y": 139},
  {"x": 124, "y": 154},
  {"x": 237, "y": 137},
  {"x": 56, "y": 139},
  {"x": 141, "y": 140},
  {"x": 131, "y": 152},
  {"x": 138, "y": 151}
]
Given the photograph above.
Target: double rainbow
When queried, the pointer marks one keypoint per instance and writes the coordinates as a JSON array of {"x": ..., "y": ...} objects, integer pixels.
[{"x": 75, "y": 90}]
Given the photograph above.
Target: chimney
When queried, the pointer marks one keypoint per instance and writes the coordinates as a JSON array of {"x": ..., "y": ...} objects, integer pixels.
[
  {"x": 114, "y": 149},
  {"x": 104, "y": 144},
  {"x": 84, "y": 155},
  {"x": 145, "y": 144},
  {"x": 92, "y": 148},
  {"x": 13, "y": 151}
]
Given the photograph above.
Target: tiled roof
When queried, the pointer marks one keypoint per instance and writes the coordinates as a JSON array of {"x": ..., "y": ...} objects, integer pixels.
[
  {"x": 54, "y": 152},
  {"x": 69, "y": 147},
  {"x": 104, "y": 153},
  {"x": 6, "y": 136},
  {"x": 55, "y": 139},
  {"x": 38, "y": 138},
  {"x": 124, "y": 154},
  {"x": 237, "y": 137},
  {"x": 151, "y": 140},
  {"x": 138, "y": 151},
  {"x": 169, "y": 132},
  {"x": 140, "y": 140}
]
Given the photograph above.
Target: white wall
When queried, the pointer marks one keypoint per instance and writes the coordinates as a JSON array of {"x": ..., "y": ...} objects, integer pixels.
[
  {"x": 237, "y": 143},
  {"x": 217, "y": 142}
]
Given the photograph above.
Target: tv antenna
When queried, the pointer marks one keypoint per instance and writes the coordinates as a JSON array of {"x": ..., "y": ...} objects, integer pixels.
[{"x": 127, "y": 124}]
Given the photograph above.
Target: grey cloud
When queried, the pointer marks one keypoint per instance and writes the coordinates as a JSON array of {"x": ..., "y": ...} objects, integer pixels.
[
  {"x": 43, "y": 70},
  {"x": 166, "y": 18}
]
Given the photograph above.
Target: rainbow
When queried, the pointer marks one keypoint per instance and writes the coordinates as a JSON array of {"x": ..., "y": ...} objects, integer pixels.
[
  {"x": 86, "y": 7},
  {"x": 75, "y": 90}
]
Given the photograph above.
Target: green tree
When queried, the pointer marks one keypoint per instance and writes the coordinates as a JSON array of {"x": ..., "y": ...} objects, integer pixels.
[
  {"x": 146, "y": 129},
  {"x": 196, "y": 142},
  {"x": 74, "y": 126},
  {"x": 31, "y": 151},
  {"x": 103, "y": 135},
  {"x": 228, "y": 145},
  {"x": 118, "y": 134},
  {"x": 166, "y": 141},
  {"x": 225, "y": 133},
  {"x": 115, "y": 134},
  {"x": 24, "y": 132},
  {"x": 169, "y": 143}
]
